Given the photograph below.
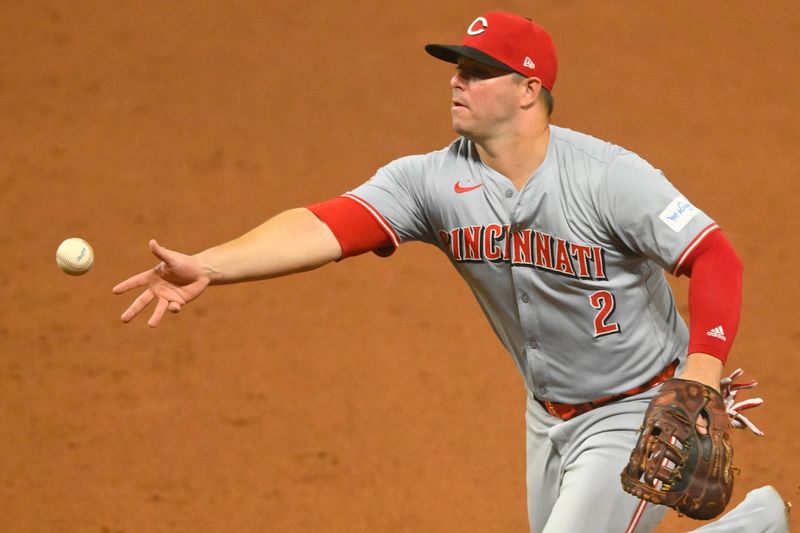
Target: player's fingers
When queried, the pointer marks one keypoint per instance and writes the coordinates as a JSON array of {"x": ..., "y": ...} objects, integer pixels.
[
  {"x": 158, "y": 313},
  {"x": 138, "y": 304},
  {"x": 701, "y": 425},
  {"x": 159, "y": 251},
  {"x": 174, "y": 307},
  {"x": 131, "y": 283}
]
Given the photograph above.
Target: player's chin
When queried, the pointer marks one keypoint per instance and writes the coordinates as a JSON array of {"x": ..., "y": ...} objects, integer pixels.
[
  {"x": 460, "y": 127},
  {"x": 467, "y": 133}
]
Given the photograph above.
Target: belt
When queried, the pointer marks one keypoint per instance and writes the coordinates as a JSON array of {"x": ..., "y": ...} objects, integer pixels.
[{"x": 566, "y": 411}]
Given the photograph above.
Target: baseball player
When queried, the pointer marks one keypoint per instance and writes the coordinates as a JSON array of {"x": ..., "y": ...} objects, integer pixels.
[{"x": 564, "y": 240}]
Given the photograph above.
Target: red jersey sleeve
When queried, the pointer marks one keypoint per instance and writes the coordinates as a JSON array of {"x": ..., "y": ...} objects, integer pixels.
[
  {"x": 357, "y": 226},
  {"x": 715, "y": 294}
]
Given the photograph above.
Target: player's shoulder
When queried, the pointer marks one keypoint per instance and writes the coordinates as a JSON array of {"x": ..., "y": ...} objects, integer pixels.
[
  {"x": 608, "y": 155},
  {"x": 420, "y": 163},
  {"x": 585, "y": 145},
  {"x": 460, "y": 148}
]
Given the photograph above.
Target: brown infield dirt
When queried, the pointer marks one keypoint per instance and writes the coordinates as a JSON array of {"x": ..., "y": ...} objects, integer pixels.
[{"x": 370, "y": 395}]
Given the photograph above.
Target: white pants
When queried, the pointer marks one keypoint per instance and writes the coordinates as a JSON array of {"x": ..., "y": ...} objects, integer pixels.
[{"x": 573, "y": 476}]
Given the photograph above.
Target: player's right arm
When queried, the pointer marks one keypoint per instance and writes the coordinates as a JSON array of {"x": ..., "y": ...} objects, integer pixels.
[{"x": 292, "y": 241}]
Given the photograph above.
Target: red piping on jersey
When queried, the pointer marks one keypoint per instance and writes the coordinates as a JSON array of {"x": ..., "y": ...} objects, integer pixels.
[
  {"x": 378, "y": 218},
  {"x": 692, "y": 245}
]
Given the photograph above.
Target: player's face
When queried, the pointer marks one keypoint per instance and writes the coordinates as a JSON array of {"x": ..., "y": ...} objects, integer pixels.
[{"x": 485, "y": 99}]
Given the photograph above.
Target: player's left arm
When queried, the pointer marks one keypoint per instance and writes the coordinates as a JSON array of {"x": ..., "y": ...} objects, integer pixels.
[
  {"x": 644, "y": 210},
  {"x": 715, "y": 299},
  {"x": 700, "y": 483}
]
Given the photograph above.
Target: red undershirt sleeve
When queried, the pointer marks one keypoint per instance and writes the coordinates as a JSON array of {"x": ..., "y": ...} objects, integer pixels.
[
  {"x": 715, "y": 295},
  {"x": 357, "y": 226}
]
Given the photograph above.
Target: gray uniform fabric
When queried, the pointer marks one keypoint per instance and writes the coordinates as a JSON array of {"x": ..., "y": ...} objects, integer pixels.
[{"x": 569, "y": 270}]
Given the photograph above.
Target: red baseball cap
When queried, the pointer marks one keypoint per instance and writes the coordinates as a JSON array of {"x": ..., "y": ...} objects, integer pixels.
[{"x": 506, "y": 41}]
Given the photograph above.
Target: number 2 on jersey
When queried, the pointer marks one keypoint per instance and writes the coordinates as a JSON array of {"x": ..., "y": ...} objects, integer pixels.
[{"x": 603, "y": 301}]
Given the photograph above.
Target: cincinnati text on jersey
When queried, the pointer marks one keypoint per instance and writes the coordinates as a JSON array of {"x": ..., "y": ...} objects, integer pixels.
[{"x": 496, "y": 243}]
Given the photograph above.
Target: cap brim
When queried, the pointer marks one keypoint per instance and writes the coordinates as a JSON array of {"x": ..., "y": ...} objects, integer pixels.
[{"x": 451, "y": 53}]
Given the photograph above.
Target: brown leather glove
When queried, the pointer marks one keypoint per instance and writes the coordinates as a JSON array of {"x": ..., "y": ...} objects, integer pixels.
[{"x": 672, "y": 464}]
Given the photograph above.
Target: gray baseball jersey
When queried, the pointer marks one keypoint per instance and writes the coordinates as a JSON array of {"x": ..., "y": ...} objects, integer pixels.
[{"x": 570, "y": 269}]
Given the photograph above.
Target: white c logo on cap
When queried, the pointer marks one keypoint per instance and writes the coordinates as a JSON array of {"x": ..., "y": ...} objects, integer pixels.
[{"x": 482, "y": 28}]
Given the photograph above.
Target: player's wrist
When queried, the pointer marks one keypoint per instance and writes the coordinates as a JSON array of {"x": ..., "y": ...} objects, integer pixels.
[
  {"x": 207, "y": 269},
  {"x": 703, "y": 368}
]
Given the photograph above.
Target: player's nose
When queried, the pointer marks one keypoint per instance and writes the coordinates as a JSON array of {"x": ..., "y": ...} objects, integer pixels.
[{"x": 457, "y": 81}]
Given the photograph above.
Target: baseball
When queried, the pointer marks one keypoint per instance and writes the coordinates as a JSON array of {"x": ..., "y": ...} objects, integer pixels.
[{"x": 74, "y": 256}]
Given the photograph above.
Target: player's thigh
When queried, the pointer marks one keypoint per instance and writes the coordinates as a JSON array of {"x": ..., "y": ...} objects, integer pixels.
[
  {"x": 591, "y": 496},
  {"x": 543, "y": 466}
]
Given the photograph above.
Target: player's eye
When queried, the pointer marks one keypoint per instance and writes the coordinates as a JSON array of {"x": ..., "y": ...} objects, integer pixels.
[
  {"x": 477, "y": 72},
  {"x": 469, "y": 72}
]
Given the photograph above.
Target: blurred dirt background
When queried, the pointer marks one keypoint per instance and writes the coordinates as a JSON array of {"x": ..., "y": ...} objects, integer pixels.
[{"x": 369, "y": 395}]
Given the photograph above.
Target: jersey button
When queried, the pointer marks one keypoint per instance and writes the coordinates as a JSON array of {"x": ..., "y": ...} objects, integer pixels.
[
  {"x": 509, "y": 193},
  {"x": 524, "y": 298},
  {"x": 532, "y": 344}
]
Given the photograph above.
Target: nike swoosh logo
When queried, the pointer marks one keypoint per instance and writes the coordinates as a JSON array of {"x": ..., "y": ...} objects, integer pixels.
[{"x": 459, "y": 189}]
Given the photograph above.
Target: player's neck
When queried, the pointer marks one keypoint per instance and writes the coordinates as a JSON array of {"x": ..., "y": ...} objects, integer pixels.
[{"x": 516, "y": 156}]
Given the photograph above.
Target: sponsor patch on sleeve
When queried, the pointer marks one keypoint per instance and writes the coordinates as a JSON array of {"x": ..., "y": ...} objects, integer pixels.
[{"x": 678, "y": 213}]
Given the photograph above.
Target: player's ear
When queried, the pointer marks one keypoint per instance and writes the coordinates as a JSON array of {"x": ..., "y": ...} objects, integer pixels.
[{"x": 532, "y": 88}]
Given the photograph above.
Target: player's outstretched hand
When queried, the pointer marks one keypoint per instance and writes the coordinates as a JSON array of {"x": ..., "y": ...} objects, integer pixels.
[{"x": 175, "y": 281}]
